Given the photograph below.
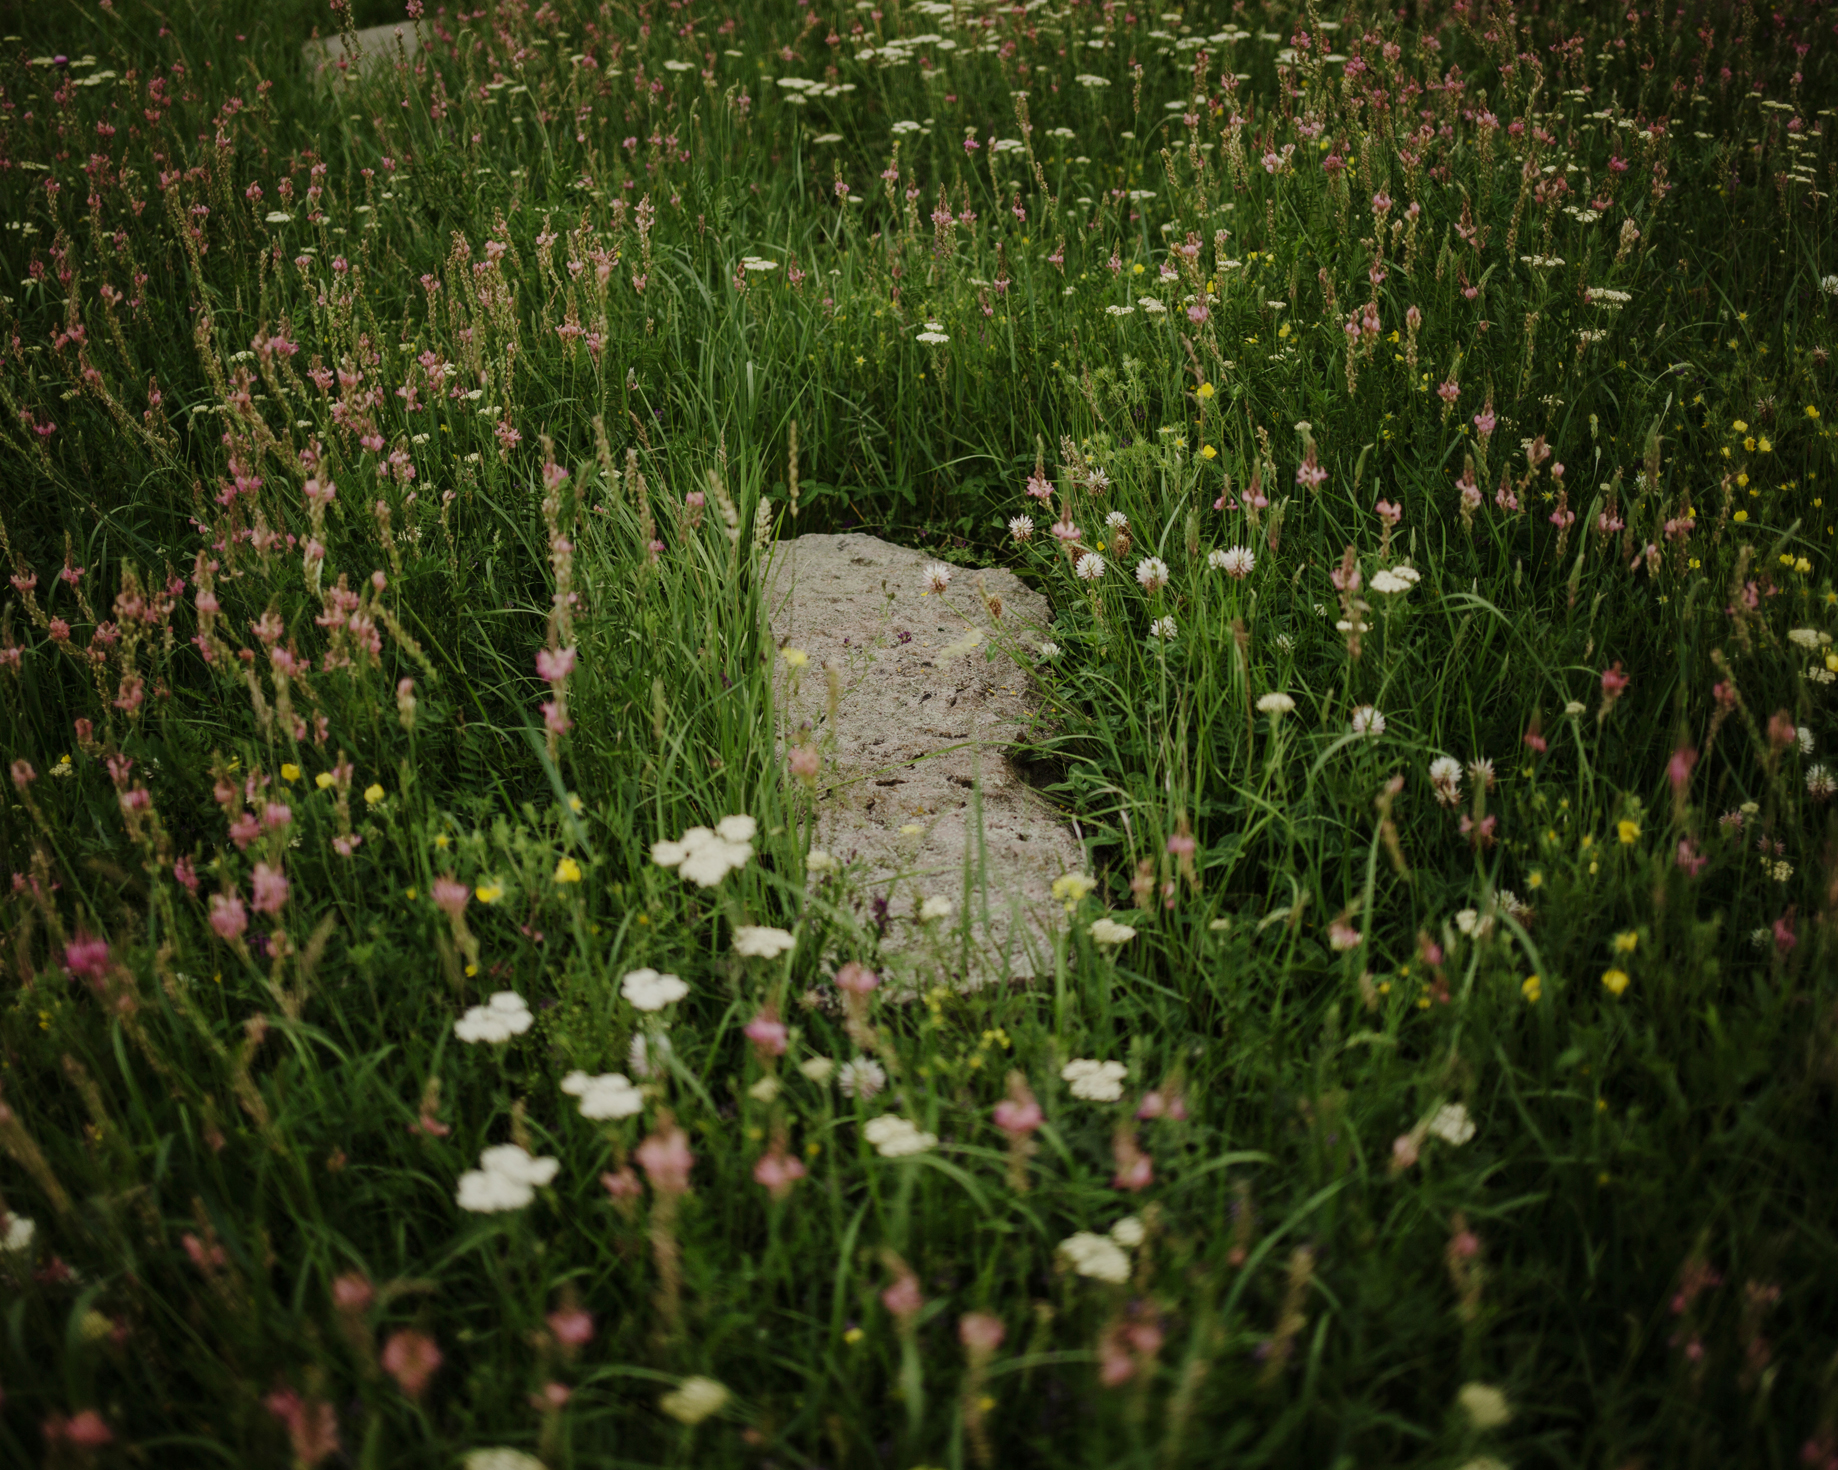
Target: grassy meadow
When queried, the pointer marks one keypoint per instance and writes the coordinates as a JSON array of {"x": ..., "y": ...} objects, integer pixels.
[{"x": 428, "y": 1036}]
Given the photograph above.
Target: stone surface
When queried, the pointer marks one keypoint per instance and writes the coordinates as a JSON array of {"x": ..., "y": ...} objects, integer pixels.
[
  {"x": 374, "y": 50},
  {"x": 921, "y": 730}
]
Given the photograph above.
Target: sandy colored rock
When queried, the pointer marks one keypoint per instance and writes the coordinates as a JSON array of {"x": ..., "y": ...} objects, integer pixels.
[
  {"x": 373, "y": 51},
  {"x": 920, "y": 732}
]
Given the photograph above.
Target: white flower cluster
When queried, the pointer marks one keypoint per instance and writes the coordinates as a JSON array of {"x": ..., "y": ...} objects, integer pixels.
[
  {"x": 895, "y": 1137},
  {"x": 1102, "y": 1257},
  {"x": 1452, "y": 1124},
  {"x": 19, "y": 1234},
  {"x": 862, "y": 1078},
  {"x": 1094, "y": 1081},
  {"x": 504, "y": 1016},
  {"x": 507, "y": 1179},
  {"x": 1396, "y": 580},
  {"x": 1109, "y": 931},
  {"x": 649, "y": 991},
  {"x": 611, "y": 1095},
  {"x": 706, "y": 857},
  {"x": 758, "y": 942}
]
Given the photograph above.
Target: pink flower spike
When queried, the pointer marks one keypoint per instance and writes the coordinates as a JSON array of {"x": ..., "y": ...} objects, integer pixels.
[
  {"x": 767, "y": 1033},
  {"x": 1018, "y": 1119},
  {"x": 411, "y": 1358},
  {"x": 856, "y": 978},
  {"x": 554, "y": 664},
  {"x": 571, "y": 1326}
]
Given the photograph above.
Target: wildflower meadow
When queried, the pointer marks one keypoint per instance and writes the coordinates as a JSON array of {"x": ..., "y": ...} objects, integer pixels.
[{"x": 431, "y": 1030}]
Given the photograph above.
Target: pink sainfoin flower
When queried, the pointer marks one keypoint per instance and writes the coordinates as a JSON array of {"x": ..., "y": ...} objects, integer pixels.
[
  {"x": 451, "y": 896},
  {"x": 312, "y": 1425},
  {"x": 1690, "y": 861},
  {"x": 86, "y": 957},
  {"x": 903, "y": 1299},
  {"x": 778, "y": 1170},
  {"x": 411, "y": 1358},
  {"x": 666, "y": 1159},
  {"x": 855, "y": 978},
  {"x": 1019, "y": 1117},
  {"x": 1389, "y": 513},
  {"x": 1135, "y": 1169},
  {"x": 1309, "y": 473},
  {"x": 572, "y": 1327},
  {"x": 767, "y": 1033},
  {"x": 228, "y": 917},
  {"x": 554, "y": 664},
  {"x": 270, "y": 885},
  {"x": 1678, "y": 769},
  {"x": 83, "y": 1430}
]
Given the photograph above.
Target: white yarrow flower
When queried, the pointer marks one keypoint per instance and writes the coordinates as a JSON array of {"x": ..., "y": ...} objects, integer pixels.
[
  {"x": 1389, "y": 583},
  {"x": 507, "y": 1179},
  {"x": 935, "y": 908},
  {"x": 1276, "y": 704},
  {"x": 1452, "y": 1124},
  {"x": 611, "y": 1095},
  {"x": 1109, "y": 931},
  {"x": 894, "y": 1137},
  {"x": 20, "y": 1232},
  {"x": 759, "y": 942},
  {"x": 650, "y": 991},
  {"x": 1093, "y": 1081},
  {"x": 504, "y": 1016},
  {"x": 1128, "y": 1232},
  {"x": 1096, "y": 1256},
  {"x": 694, "y": 1399}
]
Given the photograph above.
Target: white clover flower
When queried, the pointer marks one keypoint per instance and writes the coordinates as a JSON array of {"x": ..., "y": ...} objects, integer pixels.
[
  {"x": 650, "y": 991},
  {"x": 1820, "y": 783},
  {"x": 1021, "y": 528},
  {"x": 1096, "y": 1256},
  {"x": 504, "y": 1016},
  {"x": 1109, "y": 931},
  {"x": 507, "y": 1179},
  {"x": 694, "y": 1399},
  {"x": 1152, "y": 573},
  {"x": 817, "y": 1069},
  {"x": 937, "y": 576},
  {"x": 648, "y": 1054},
  {"x": 1236, "y": 562},
  {"x": 759, "y": 942},
  {"x": 1276, "y": 704},
  {"x": 20, "y": 1232},
  {"x": 1452, "y": 1124},
  {"x": 935, "y": 908},
  {"x": 894, "y": 1137},
  {"x": 1094, "y": 1081},
  {"x": 1804, "y": 736},
  {"x": 1128, "y": 1232},
  {"x": 1445, "y": 776},
  {"x": 1090, "y": 567},
  {"x": 1049, "y": 650},
  {"x": 819, "y": 861},
  {"x": 1117, "y": 521},
  {"x": 1368, "y": 722},
  {"x": 861, "y": 1078},
  {"x": 611, "y": 1095},
  {"x": 1829, "y": 285},
  {"x": 1163, "y": 628}
]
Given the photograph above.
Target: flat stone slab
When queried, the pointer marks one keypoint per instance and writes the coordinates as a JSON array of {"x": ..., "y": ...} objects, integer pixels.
[
  {"x": 372, "y": 50},
  {"x": 921, "y": 731}
]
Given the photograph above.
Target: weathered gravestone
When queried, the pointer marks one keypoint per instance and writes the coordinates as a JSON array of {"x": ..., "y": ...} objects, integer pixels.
[{"x": 916, "y": 785}]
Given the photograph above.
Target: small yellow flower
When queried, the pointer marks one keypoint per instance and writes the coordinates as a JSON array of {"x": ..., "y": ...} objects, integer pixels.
[
  {"x": 1764, "y": 445},
  {"x": 1627, "y": 942},
  {"x": 1749, "y": 444},
  {"x": 796, "y": 657},
  {"x": 1071, "y": 887},
  {"x": 323, "y": 780},
  {"x": 1535, "y": 880},
  {"x": 488, "y": 892},
  {"x": 289, "y": 771},
  {"x": 1740, "y": 427},
  {"x": 567, "y": 871},
  {"x": 442, "y": 841},
  {"x": 1208, "y": 452},
  {"x": 1615, "y": 981},
  {"x": 471, "y": 970},
  {"x": 1811, "y": 412},
  {"x": 1206, "y": 390},
  {"x": 373, "y": 793},
  {"x": 1627, "y": 830},
  {"x": 1137, "y": 270},
  {"x": 411, "y": 893},
  {"x": 1740, "y": 517},
  {"x": 1531, "y": 988},
  {"x": 1743, "y": 478}
]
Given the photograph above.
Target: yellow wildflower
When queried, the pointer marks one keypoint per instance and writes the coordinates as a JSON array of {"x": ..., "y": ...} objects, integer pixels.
[
  {"x": 1627, "y": 830},
  {"x": 289, "y": 771},
  {"x": 1531, "y": 988},
  {"x": 488, "y": 892},
  {"x": 1626, "y": 943},
  {"x": 567, "y": 871},
  {"x": 373, "y": 793},
  {"x": 1615, "y": 981}
]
